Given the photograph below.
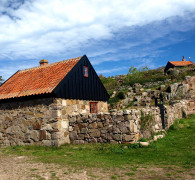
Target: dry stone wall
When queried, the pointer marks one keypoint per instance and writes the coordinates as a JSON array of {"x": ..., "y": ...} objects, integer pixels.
[
  {"x": 124, "y": 126},
  {"x": 40, "y": 121},
  {"x": 101, "y": 128},
  {"x": 52, "y": 122},
  {"x": 32, "y": 122},
  {"x": 75, "y": 107}
]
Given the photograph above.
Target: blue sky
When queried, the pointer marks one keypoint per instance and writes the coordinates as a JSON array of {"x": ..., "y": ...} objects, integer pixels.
[{"x": 114, "y": 34}]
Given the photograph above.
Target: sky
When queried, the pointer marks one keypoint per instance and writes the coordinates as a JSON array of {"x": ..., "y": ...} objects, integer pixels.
[{"x": 114, "y": 34}]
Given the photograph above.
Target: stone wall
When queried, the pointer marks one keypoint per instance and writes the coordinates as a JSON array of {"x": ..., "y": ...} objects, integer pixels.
[
  {"x": 137, "y": 95},
  {"x": 40, "y": 121},
  {"x": 52, "y": 122},
  {"x": 75, "y": 107},
  {"x": 32, "y": 122},
  {"x": 124, "y": 126}
]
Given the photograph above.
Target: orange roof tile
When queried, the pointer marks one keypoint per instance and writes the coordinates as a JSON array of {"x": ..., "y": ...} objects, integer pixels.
[
  {"x": 38, "y": 80},
  {"x": 181, "y": 63}
]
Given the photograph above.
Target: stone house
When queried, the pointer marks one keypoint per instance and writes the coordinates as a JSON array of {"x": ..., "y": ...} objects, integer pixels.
[
  {"x": 35, "y": 103},
  {"x": 178, "y": 64}
]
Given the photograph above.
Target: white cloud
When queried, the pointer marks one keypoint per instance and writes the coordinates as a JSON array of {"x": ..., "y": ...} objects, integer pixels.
[
  {"x": 35, "y": 29},
  {"x": 43, "y": 27}
]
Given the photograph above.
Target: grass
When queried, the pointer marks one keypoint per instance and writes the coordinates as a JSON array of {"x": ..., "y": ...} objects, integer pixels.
[{"x": 177, "y": 149}]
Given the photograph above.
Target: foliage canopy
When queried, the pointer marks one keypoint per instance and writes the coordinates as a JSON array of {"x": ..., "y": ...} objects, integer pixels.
[{"x": 1, "y": 80}]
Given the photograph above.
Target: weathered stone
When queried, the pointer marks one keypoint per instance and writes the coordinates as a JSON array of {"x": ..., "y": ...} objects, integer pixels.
[
  {"x": 48, "y": 135},
  {"x": 79, "y": 142},
  {"x": 38, "y": 115},
  {"x": 119, "y": 118},
  {"x": 13, "y": 130},
  {"x": 156, "y": 127},
  {"x": 144, "y": 143},
  {"x": 126, "y": 102},
  {"x": 47, "y": 127},
  {"x": 70, "y": 128},
  {"x": 127, "y": 117},
  {"x": 126, "y": 112},
  {"x": 113, "y": 142},
  {"x": 34, "y": 135},
  {"x": 84, "y": 130},
  {"x": 93, "y": 125},
  {"x": 72, "y": 119},
  {"x": 46, "y": 143},
  {"x": 103, "y": 131},
  {"x": 99, "y": 124},
  {"x": 37, "y": 125},
  {"x": 81, "y": 136},
  {"x": 155, "y": 138},
  {"x": 160, "y": 136},
  {"x": 117, "y": 137},
  {"x": 94, "y": 133},
  {"x": 73, "y": 135},
  {"x": 129, "y": 138},
  {"x": 124, "y": 130},
  {"x": 56, "y": 125},
  {"x": 57, "y": 135}
]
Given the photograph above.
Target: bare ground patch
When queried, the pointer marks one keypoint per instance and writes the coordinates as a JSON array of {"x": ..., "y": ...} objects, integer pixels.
[{"x": 23, "y": 168}]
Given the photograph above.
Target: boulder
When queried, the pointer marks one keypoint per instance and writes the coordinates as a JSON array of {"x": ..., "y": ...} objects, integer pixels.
[
  {"x": 182, "y": 90},
  {"x": 144, "y": 143},
  {"x": 126, "y": 102}
]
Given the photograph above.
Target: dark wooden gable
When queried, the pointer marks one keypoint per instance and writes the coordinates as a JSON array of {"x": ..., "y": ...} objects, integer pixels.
[
  {"x": 168, "y": 66},
  {"x": 76, "y": 86}
]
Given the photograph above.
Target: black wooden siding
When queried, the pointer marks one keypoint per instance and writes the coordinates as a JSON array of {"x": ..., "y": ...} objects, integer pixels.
[
  {"x": 168, "y": 66},
  {"x": 76, "y": 86}
]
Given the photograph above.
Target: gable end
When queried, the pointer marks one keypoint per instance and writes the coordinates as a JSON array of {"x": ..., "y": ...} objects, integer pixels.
[{"x": 76, "y": 86}]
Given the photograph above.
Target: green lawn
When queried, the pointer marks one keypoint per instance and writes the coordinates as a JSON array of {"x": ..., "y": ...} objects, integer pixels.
[{"x": 177, "y": 149}]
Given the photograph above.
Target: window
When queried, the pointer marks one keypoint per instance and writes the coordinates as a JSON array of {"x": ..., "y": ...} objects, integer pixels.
[
  {"x": 85, "y": 71},
  {"x": 93, "y": 107}
]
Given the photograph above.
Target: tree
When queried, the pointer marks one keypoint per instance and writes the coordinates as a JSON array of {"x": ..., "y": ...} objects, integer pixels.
[
  {"x": 135, "y": 75},
  {"x": 101, "y": 76},
  {"x": 1, "y": 80}
]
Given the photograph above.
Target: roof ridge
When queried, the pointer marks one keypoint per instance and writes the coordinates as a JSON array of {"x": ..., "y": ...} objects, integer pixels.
[
  {"x": 179, "y": 61},
  {"x": 40, "y": 67}
]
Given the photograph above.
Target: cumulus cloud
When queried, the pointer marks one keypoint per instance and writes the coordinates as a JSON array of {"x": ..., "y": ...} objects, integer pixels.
[{"x": 34, "y": 29}]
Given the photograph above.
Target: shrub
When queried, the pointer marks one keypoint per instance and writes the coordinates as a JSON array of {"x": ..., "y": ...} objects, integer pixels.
[
  {"x": 109, "y": 83},
  {"x": 113, "y": 100},
  {"x": 146, "y": 120},
  {"x": 121, "y": 95}
]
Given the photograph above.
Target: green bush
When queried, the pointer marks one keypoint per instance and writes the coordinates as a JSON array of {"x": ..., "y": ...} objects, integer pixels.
[
  {"x": 109, "y": 83},
  {"x": 121, "y": 95},
  {"x": 113, "y": 100},
  {"x": 144, "y": 75},
  {"x": 146, "y": 120},
  {"x": 1, "y": 80}
]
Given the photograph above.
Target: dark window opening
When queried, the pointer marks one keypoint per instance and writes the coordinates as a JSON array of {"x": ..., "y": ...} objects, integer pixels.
[
  {"x": 93, "y": 107},
  {"x": 85, "y": 71}
]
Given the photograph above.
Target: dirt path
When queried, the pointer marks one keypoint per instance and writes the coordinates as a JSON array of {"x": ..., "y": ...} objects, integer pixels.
[
  {"x": 23, "y": 168},
  {"x": 15, "y": 168}
]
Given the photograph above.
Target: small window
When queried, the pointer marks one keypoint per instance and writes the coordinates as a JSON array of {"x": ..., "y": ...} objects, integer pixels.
[
  {"x": 93, "y": 107},
  {"x": 85, "y": 71}
]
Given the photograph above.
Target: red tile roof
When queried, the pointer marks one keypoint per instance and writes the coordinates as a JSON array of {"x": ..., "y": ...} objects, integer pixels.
[
  {"x": 38, "y": 80},
  {"x": 181, "y": 63}
]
